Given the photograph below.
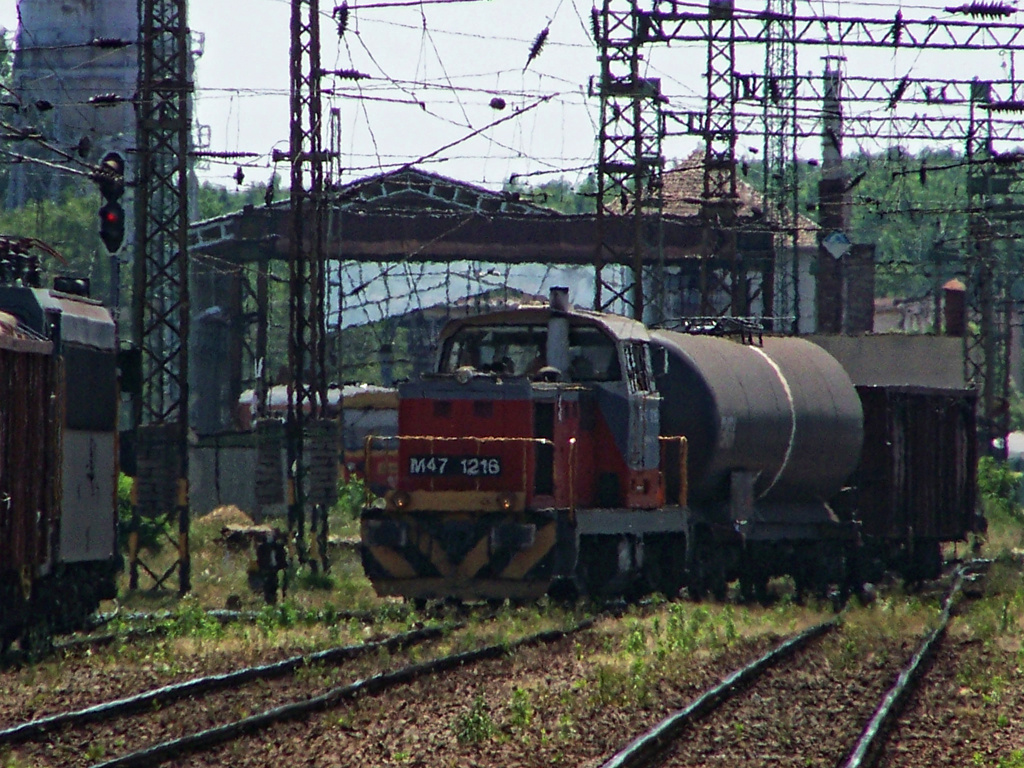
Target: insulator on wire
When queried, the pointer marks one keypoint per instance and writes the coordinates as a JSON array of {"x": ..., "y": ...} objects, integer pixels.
[
  {"x": 239, "y": 176},
  {"x": 901, "y": 88},
  {"x": 897, "y": 29},
  {"x": 595, "y": 23},
  {"x": 340, "y": 15},
  {"x": 990, "y": 10},
  {"x": 109, "y": 43},
  {"x": 347, "y": 74},
  {"x": 537, "y": 47},
  {"x": 498, "y": 103}
]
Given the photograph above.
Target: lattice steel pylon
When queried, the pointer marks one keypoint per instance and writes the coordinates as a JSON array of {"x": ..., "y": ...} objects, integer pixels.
[
  {"x": 780, "y": 184},
  {"x": 987, "y": 338},
  {"x": 719, "y": 197},
  {"x": 312, "y": 438},
  {"x": 160, "y": 311},
  {"x": 630, "y": 164}
]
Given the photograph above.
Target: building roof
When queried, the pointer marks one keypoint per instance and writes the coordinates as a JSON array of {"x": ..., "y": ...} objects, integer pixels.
[
  {"x": 413, "y": 188},
  {"x": 683, "y": 187}
]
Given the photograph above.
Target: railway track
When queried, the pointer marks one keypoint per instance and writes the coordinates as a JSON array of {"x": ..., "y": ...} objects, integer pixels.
[
  {"x": 793, "y": 706},
  {"x": 157, "y": 715},
  {"x": 370, "y": 720},
  {"x": 165, "y": 695},
  {"x": 138, "y": 625}
]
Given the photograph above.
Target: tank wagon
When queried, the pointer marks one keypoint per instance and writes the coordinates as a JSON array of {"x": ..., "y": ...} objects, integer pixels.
[
  {"x": 58, "y": 465},
  {"x": 558, "y": 450}
]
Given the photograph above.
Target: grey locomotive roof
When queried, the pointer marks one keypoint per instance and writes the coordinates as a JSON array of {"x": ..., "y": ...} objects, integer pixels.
[{"x": 623, "y": 328}]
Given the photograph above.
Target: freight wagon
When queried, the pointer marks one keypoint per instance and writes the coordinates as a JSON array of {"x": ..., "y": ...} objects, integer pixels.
[{"x": 58, "y": 454}]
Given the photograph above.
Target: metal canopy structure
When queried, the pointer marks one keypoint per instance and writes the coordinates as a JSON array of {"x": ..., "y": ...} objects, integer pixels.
[
  {"x": 417, "y": 216},
  {"x": 413, "y": 217}
]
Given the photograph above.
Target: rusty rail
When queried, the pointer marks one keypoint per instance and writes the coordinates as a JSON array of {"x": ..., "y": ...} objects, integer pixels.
[
  {"x": 645, "y": 748},
  {"x": 867, "y": 748},
  {"x": 684, "y": 478}
]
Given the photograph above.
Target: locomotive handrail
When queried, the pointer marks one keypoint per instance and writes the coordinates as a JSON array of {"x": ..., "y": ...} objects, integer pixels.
[
  {"x": 684, "y": 478},
  {"x": 370, "y": 439}
]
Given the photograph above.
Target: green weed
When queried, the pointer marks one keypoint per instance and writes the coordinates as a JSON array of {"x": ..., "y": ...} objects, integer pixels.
[
  {"x": 476, "y": 725},
  {"x": 192, "y": 620},
  {"x": 520, "y": 709}
]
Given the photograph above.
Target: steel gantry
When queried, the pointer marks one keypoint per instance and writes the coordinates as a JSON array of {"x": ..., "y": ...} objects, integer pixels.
[
  {"x": 992, "y": 183},
  {"x": 160, "y": 311},
  {"x": 782, "y": 107}
]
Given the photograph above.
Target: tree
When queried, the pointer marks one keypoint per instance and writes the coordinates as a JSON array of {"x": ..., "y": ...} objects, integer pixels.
[
  {"x": 71, "y": 227},
  {"x": 215, "y": 200},
  {"x": 558, "y": 194}
]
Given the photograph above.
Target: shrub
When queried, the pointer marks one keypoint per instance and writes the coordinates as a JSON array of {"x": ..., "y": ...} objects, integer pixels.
[
  {"x": 998, "y": 488},
  {"x": 475, "y": 725},
  {"x": 152, "y": 531}
]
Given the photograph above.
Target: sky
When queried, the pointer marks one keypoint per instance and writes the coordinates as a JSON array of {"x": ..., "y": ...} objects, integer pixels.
[{"x": 434, "y": 70}]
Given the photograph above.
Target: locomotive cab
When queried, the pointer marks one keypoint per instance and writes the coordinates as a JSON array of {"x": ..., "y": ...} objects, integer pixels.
[{"x": 539, "y": 426}]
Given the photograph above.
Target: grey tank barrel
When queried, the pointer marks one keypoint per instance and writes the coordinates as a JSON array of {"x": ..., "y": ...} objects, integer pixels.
[{"x": 784, "y": 409}]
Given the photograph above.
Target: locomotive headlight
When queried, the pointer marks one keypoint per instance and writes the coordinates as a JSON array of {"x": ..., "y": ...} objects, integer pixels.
[
  {"x": 505, "y": 501},
  {"x": 400, "y": 499}
]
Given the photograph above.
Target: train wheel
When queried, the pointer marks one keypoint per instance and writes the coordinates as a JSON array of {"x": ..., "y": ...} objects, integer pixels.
[
  {"x": 664, "y": 570},
  {"x": 707, "y": 571},
  {"x": 598, "y": 565},
  {"x": 36, "y": 640},
  {"x": 709, "y": 577},
  {"x": 925, "y": 562},
  {"x": 754, "y": 588}
]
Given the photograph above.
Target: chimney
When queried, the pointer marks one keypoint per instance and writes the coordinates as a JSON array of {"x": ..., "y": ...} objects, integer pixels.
[{"x": 955, "y": 308}]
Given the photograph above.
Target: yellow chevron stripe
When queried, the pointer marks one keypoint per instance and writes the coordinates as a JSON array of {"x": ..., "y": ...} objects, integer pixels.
[
  {"x": 433, "y": 551},
  {"x": 521, "y": 564},
  {"x": 475, "y": 559},
  {"x": 396, "y": 565}
]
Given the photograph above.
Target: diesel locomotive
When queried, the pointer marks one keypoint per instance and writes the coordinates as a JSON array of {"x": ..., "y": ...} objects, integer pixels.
[
  {"x": 562, "y": 451},
  {"x": 58, "y": 452}
]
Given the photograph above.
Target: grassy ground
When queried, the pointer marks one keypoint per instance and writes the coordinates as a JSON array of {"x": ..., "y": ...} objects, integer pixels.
[{"x": 220, "y": 573}]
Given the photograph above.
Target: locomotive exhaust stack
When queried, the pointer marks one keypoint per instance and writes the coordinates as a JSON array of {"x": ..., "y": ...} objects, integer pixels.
[{"x": 557, "y": 348}]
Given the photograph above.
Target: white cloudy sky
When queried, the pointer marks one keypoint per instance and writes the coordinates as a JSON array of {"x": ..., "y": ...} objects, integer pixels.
[{"x": 435, "y": 69}]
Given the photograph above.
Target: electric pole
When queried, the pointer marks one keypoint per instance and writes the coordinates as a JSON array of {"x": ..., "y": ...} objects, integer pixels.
[
  {"x": 160, "y": 310},
  {"x": 311, "y": 437}
]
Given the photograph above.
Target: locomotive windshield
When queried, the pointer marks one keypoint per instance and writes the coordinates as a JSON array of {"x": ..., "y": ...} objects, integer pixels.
[{"x": 519, "y": 350}]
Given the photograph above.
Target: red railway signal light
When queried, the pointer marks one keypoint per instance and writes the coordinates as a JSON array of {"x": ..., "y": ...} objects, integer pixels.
[{"x": 112, "y": 225}]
